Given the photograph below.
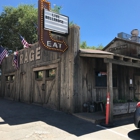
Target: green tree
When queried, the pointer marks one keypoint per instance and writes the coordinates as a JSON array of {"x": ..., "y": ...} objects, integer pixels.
[
  {"x": 56, "y": 9},
  {"x": 20, "y": 20},
  {"x": 83, "y": 45},
  {"x": 99, "y": 47},
  {"x": 15, "y": 21},
  {"x": 71, "y": 23}
]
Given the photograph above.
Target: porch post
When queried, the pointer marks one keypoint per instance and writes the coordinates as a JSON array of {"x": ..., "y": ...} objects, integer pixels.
[{"x": 110, "y": 90}]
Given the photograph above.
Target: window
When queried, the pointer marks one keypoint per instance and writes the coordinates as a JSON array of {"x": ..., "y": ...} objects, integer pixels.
[
  {"x": 12, "y": 77},
  {"x": 101, "y": 79},
  {"x": 50, "y": 73},
  {"x": 7, "y": 78},
  {"x": 39, "y": 75}
]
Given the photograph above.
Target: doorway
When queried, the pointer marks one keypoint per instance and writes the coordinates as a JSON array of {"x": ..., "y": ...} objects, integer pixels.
[{"x": 46, "y": 87}]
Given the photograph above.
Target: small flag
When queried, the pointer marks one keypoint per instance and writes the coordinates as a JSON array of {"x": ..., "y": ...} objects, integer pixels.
[
  {"x": 15, "y": 60},
  {"x": 3, "y": 53},
  {"x": 24, "y": 42}
]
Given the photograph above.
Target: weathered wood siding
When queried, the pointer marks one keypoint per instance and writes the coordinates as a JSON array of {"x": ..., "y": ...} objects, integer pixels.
[
  {"x": 68, "y": 99},
  {"x": 124, "y": 47},
  {"x": 85, "y": 86},
  {"x": 58, "y": 92},
  {"x": 74, "y": 82}
]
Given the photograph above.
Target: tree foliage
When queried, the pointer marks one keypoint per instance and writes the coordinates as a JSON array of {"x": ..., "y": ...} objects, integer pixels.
[
  {"x": 83, "y": 45},
  {"x": 21, "y": 20},
  {"x": 15, "y": 21},
  {"x": 56, "y": 9}
]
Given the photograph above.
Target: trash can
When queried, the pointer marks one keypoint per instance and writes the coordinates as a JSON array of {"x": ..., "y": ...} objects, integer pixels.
[
  {"x": 92, "y": 108},
  {"x": 98, "y": 105}
]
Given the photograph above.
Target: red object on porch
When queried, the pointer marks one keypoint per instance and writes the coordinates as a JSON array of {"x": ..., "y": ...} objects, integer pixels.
[{"x": 107, "y": 108}]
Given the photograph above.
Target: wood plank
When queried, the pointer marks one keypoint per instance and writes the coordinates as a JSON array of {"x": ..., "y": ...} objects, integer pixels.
[
  {"x": 46, "y": 63},
  {"x": 46, "y": 67},
  {"x": 118, "y": 57},
  {"x": 96, "y": 55},
  {"x": 127, "y": 59},
  {"x": 119, "y": 62}
]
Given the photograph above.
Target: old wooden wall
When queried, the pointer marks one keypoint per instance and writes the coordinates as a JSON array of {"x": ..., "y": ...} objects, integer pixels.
[
  {"x": 128, "y": 83},
  {"x": 67, "y": 74},
  {"x": 85, "y": 86},
  {"x": 127, "y": 78},
  {"x": 57, "y": 92},
  {"x": 74, "y": 82},
  {"x": 124, "y": 47}
]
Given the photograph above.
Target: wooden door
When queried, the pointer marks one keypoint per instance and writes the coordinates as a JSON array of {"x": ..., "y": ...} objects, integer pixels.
[
  {"x": 10, "y": 87},
  {"x": 137, "y": 86},
  {"x": 46, "y": 88},
  {"x": 39, "y": 87},
  {"x": 51, "y": 98}
]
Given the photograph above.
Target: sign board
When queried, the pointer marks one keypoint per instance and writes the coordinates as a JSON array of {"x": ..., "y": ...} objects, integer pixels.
[
  {"x": 55, "y": 22},
  {"x": 47, "y": 22}
]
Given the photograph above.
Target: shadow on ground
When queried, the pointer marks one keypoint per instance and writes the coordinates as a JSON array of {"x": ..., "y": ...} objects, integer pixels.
[
  {"x": 15, "y": 113},
  {"x": 134, "y": 135}
]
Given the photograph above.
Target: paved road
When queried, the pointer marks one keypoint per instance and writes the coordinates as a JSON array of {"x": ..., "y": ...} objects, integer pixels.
[{"x": 20, "y": 121}]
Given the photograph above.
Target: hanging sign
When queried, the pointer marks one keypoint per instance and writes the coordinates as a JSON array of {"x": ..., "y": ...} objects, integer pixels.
[
  {"x": 47, "y": 22},
  {"x": 55, "y": 22}
]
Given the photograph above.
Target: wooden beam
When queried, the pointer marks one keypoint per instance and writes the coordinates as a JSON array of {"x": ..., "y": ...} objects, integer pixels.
[
  {"x": 46, "y": 63},
  {"x": 135, "y": 61},
  {"x": 7, "y": 74},
  {"x": 126, "y": 57},
  {"x": 96, "y": 55},
  {"x": 45, "y": 67},
  {"x": 120, "y": 62},
  {"x": 110, "y": 90},
  {"x": 118, "y": 57}
]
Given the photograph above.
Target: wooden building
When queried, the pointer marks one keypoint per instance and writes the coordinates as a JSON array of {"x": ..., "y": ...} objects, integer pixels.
[{"x": 65, "y": 81}]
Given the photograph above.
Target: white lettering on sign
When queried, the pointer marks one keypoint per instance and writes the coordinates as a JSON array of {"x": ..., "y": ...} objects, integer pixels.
[
  {"x": 38, "y": 53},
  {"x": 54, "y": 45},
  {"x": 49, "y": 43},
  {"x": 26, "y": 58},
  {"x": 31, "y": 56}
]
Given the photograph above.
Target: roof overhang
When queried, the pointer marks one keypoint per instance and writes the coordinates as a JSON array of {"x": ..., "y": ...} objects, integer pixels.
[
  {"x": 95, "y": 53},
  {"x": 111, "y": 57}
]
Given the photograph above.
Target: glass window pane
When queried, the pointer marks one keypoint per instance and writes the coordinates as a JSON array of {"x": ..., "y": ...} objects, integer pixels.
[
  {"x": 39, "y": 74},
  {"x": 52, "y": 72},
  {"x": 7, "y": 78},
  {"x": 12, "y": 77}
]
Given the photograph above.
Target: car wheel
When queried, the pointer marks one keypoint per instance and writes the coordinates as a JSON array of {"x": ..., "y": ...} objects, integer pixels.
[{"x": 139, "y": 125}]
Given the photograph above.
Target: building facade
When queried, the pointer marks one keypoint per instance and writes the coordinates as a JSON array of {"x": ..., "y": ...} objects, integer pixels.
[{"x": 65, "y": 81}]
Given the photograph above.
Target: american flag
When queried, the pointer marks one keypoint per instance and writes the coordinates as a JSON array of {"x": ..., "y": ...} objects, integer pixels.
[
  {"x": 24, "y": 42},
  {"x": 15, "y": 60},
  {"x": 3, "y": 53}
]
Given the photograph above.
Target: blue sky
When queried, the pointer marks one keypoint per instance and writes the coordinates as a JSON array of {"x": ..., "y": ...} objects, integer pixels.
[{"x": 99, "y": 20}]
